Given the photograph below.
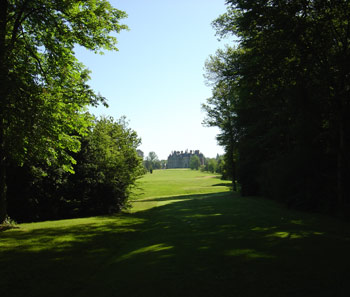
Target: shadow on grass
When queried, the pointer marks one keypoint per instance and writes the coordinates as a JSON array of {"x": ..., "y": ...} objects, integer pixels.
[
  {"x": 229, "y": 185},
  {"x": 176, "y": 198},
  {"x": 201, "y": 245}
]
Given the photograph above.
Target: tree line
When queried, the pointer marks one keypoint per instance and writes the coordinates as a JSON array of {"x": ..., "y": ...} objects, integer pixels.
[
  {"x": 281, "y": 98},
  {"x": 152, "y": 162},
  {"x": 105, "y": 171},
  {"x": 46, "y": 133}
]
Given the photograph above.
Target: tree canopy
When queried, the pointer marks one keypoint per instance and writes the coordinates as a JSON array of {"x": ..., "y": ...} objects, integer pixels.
[
  {"x": 107, "y": 167},
  {"x": 43, "y": 87},
  {"x": 152, "y": 161},
  {"x": 286, "y": 85},
  {"x": 194, "y": 162}
]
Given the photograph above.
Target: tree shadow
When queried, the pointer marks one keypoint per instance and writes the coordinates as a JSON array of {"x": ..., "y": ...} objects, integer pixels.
[
  {"x": 7, "y": 227},
  {"x": 200, "y": 245},
  {"x": 179, "y": 197},
  {"x": 229, "y": 185}
]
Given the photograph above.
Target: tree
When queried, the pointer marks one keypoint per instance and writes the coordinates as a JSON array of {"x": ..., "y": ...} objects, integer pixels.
[
  {"x": 106, "y": 170},
  {"x": 108, "y": 167},
  {"x": 291, "y": 91},
  {"x": 212, "y": 165},
  {"x": 152, "y": 161},
  {"x": 43, "y": 88},
  {"x": 222, "y": 74},
  {"x": 221, "y": 167},
  {"x": 195, "y": 162}
]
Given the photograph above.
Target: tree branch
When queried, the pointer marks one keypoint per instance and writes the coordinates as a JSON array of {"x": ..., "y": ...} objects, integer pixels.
[{"x": 17, "y": 24}]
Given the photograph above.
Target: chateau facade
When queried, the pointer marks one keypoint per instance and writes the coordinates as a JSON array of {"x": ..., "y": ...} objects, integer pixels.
[{"x": 182, "y": 159}]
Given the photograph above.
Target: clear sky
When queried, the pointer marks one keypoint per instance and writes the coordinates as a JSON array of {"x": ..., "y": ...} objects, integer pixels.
[{"x": 156, "y": 78}]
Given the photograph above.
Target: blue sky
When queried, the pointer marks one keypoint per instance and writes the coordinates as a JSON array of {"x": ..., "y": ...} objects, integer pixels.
[{"x": 156, "y": 78}]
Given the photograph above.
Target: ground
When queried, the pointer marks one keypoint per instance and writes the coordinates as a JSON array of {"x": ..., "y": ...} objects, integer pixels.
[{"x": 191, "y": 237}]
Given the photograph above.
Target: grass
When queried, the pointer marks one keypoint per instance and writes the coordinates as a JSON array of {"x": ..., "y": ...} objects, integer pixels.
[
  {"x": 178, "y": 243},
  {"x": 174, "y": 182}
]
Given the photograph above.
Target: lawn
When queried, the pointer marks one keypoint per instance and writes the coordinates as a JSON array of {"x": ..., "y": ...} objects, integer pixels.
[
  {"x": 204, "y": 241},
  {"x": 175, "y": 182}
]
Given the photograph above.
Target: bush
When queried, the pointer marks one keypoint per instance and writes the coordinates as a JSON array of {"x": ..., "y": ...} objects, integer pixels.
[{"x": 107, "y": 167}]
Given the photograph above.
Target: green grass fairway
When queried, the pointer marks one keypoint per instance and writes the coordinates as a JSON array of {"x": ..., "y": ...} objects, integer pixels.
[
  {"x": 177, "y": 241},
  {"x": 175, "y": 182}
]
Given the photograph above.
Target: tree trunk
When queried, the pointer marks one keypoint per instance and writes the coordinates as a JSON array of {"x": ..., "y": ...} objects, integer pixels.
[
  {"x": 234, "y": 177},
  {"x": 231, "y": 163},
  {"x": 340, "y": 168},
  {"x": 3, "y": 95},
  {"x": 3, "y": 187}
]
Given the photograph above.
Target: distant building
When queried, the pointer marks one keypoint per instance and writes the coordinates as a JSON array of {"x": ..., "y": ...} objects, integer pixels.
[
  {"x": 140, "y": 153},
  {"x": 182, "y": 159}
]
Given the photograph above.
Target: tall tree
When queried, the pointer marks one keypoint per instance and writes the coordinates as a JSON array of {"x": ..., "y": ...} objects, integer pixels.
[
  {"x": 43, "y": 88},
  {"x": 293, "y": 97},
  {"x": 222, "y": 74},
  {"x": 194, "y": 162},
  {"x": 152, "y": 161}
]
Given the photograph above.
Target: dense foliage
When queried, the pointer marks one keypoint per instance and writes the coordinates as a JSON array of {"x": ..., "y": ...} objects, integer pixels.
[
  {"x": 43, "y": 88},
  {"x": 281, "y": 98},
  {"x": 194, "y": 162},
  {"x": 152, "y": 162},
  {"x": 215, "y": 165},
  {"x": 106, "y": 170}
]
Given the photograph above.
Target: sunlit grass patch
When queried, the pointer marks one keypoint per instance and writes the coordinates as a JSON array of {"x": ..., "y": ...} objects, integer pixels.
[
  {"x": 171, "y": 182},
  {"x": 146, "y": 250}
]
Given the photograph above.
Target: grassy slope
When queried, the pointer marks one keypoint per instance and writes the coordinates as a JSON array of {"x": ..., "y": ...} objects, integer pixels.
[{"x": 198, "y": 244}]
